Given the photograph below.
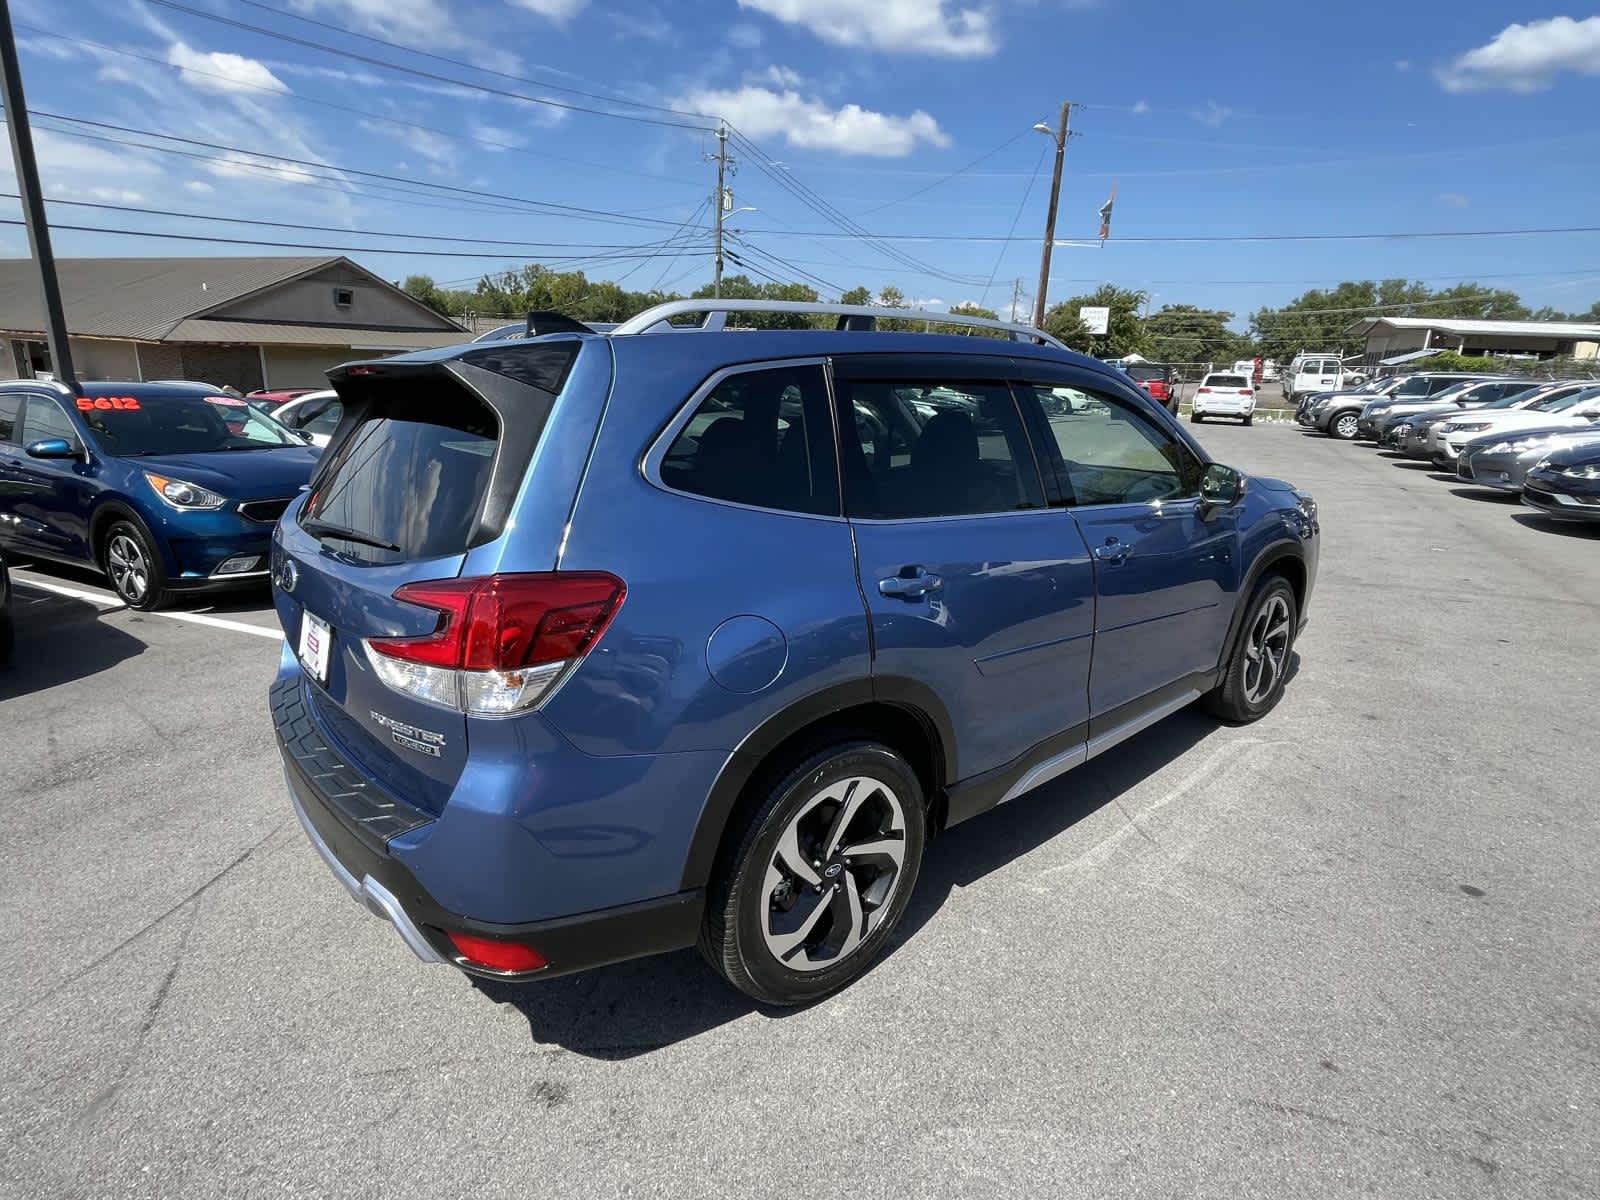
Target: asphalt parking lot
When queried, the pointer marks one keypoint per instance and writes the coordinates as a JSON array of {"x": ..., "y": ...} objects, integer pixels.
[{"x": 1352, "y": 949}]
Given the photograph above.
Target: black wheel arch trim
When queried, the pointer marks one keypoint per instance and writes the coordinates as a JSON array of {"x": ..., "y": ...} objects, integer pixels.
[
  {"x": 1274, "y": 554},
  {"x": 916, "y": 699}
]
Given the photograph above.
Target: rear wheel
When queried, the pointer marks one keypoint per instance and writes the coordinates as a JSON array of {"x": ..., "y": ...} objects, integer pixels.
[
  {"x": 1253, "y": 679},
  {"x": 133, "y": 566},
  {"x": 820, "y": 875},
  {"x": 1345, "y": 426},
  {"x": 1195, "y": 418},
  {"x": 1250, "y": 420}
]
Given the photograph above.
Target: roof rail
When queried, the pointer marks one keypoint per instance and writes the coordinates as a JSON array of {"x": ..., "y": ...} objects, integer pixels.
[{"x": 715, "y": 317}]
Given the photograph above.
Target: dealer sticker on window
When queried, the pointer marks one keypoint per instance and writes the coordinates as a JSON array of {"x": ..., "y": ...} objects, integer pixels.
[{"x": 316, "y": 640}]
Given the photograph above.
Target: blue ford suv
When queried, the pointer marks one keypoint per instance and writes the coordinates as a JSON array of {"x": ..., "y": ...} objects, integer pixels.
[
  {"x": 604, "y": 645},
  {"x": 167, "y": 488}
]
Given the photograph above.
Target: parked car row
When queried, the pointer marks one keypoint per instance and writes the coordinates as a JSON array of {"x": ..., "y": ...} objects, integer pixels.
[{"x": 1539, "y": 438}]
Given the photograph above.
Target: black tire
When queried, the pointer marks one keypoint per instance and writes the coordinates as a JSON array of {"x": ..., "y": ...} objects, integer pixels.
[
  {"x": 734, "y": 937},
  {"x": 1235, "y": 699},
  {"x": 8, "y": 636},
  {"x": 1195, "y": 418},
  {"x": 145, "y": 563},
  {"x": 1250, "y": 420},
  {"x": 1344, "y": 426}
]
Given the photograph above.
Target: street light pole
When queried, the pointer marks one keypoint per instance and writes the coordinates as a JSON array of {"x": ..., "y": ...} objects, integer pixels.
[
  {"x": 55, "y": 325},
  {"x": 722, "y": 205},
  {"x": 1060, "y": 134}
]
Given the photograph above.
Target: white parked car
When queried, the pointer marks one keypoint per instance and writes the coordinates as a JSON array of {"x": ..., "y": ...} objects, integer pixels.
[
  {"x": 1223, "y": 394},
  {"x": 316, "y": 415},
  {"x": 1577, "y": 410}
]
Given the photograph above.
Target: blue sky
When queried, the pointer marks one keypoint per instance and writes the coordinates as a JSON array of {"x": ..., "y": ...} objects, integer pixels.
[{"x": 1242, "y": 118}]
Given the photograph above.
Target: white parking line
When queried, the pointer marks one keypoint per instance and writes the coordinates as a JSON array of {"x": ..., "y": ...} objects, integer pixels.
[{"x": 108, "y": 601}]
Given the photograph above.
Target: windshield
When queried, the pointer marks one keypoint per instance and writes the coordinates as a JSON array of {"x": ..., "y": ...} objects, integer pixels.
[
  {"x": 180, "y": 423},
  {"x": 1560, "y": 401}
]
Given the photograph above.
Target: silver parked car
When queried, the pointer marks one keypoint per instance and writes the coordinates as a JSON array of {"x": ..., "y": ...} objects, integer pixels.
[{"x": 1504, "y": 460}]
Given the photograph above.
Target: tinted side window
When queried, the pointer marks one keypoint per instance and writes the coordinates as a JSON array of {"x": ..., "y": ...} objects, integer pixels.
[
  {"x": 762, "y": 438},
  {"x": 9, "y": 406},
  {"x": 45, "y": 419},
  {"x": 933, "y": 448},
  {"x": 1106, "y": 453},
  {"x": 1439, "y": 385}
]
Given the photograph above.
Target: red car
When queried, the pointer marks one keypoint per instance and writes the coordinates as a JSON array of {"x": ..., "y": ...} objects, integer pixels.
[
  {"x": 1156, "y": 378},
  {"x": 271, "y": 400}
]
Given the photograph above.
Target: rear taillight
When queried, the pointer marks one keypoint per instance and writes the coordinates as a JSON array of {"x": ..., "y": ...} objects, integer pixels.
[
  {"x": 510, "y": 957},
  {"x": 1246, "y": 392},
  {"x": 502, "y": 643},
  {"x": 1203, "y": 392}
]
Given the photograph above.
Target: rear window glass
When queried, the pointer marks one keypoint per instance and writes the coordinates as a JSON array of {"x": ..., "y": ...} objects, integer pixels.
[
  {"x": 762, "y": 438},
  {"x": 1146, "y": 373},
  {"x": 1226, "y": 381},
  {"x": 410, "y": 476}
]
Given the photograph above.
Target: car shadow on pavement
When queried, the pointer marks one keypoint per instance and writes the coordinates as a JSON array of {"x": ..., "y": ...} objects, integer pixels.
[
  {"x": 1487, "y": 493},
  {"x": 636, "y": 1007},
  {"x": 1588, "y": 530},
  {"x": 58, "y": 639}
]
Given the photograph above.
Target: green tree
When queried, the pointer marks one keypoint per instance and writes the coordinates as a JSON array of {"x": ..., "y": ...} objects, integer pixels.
[
  {"x": 857, "y": 295},
  {"x": 1183, "y": 333},
  {"x": 447, "y": 302},
  {"x": 1125, "y": 333},
  {"x": 970, "y": 309},
  {"x": 742, "y": 287}
]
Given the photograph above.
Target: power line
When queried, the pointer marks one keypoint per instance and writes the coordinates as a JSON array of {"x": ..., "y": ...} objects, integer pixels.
[
  {"x": 301, "y": 98},
  {"x": 388, "y": 233},
  {"x": 1187, "y": 238},
  {"x": 434, "y": 76},
  {"x": 1028, "y": 191},
  {"x": 577, "y": 212},
  {"x": 339, "y": 248},
  {"x": 984, "y": 157},
  {"x": 456, "y": 62}
]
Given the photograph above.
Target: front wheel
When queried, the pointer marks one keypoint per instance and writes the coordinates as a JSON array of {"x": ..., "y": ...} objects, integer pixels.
[
  {"x": 1249, "y": 420},
  {"x": 1252, "y": 682},
  {"x": 133, "y": 566},
  {"x": 819, "y": 877},
  {"x": 1345, "y": 426}
]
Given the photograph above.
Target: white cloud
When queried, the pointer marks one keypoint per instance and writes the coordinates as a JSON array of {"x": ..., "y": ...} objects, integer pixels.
[
  {"x": 1402, "y": 64},
  {"x": 558, "y": 11},
  {"x": 1141, "y": 108},
  {"x": 1526, "y": 58},
  {"x": 784, "y": 77},
  {"x": 1454, "y": 199},
  {"x": 219, "y": 71},
  {"x": 744, "y": 37},
  {"x": 417, "y": 22},
  {"x": 1213, "y": 114},
  {"x": 810, "y": 124},
  {"x": 902, "y": 26},
  {"x": 437, "y": 149},
  {"x": 199, "y": 187},
  {"x": 502, "y": 139},
  {"x": 237, "y": 165}
]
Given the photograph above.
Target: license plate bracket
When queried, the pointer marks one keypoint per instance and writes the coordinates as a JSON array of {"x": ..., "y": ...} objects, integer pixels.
[{"x": 316, "y": 646}]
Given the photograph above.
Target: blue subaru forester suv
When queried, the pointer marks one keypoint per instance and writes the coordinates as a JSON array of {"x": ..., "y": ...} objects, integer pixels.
[{"x": 604, "y": 645}]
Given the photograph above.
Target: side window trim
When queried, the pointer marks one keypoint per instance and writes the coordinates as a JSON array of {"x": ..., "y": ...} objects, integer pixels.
[{"x": 650, "y": 462}]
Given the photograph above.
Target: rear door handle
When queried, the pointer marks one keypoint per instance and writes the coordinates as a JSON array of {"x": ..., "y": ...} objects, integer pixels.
[
  {"x": 913, "y": 583},
  {"x": 1113, "y": 553}
]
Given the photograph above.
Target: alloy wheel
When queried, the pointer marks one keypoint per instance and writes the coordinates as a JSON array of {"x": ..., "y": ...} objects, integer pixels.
[
  {"x": 1347, "y": 426},
  {"x": 125, "y": 563},
  {"x": 834, "y": 872},
  {"x": 1266, "y": 649}
]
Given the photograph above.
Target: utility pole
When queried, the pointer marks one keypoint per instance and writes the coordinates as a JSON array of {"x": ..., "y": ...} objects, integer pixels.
[
  {"x": 722, "y": 201},
  {"x": 55, "y": 324},
  {"x": 1016, "y": 299},
  {"x": 1060, "y": 134}
]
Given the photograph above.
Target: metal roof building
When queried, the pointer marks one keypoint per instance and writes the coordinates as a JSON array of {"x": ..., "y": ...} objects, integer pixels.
[
  {"x": 1390, "y": 337},
  {"x": 249, "y": 322}
]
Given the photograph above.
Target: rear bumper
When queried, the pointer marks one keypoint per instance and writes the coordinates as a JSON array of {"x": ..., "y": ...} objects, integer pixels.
[{"x": 351, "y": 825}]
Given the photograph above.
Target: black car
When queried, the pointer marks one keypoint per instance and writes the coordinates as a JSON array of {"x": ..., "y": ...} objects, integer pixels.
[
  {"x": 1566, "y": 485},
  {"x": 7, "y": 631}
]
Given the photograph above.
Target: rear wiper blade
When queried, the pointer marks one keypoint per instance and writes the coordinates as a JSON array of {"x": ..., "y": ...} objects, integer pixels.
[{"x": 321, "y": 529}]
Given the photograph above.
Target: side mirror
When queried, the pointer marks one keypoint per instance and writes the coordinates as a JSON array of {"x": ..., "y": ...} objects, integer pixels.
[
  {"x": 1220, "y": 487},
  {"x": 52, "y": 448}
]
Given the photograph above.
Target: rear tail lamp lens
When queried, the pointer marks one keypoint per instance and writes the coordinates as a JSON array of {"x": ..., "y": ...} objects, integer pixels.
[
  {"x": 496, "y": 955},
  {"x": 502, "y": 642}
]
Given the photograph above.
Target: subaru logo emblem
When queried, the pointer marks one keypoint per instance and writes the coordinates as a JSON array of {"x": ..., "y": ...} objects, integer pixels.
[
  {"x": 288, "y": 574},
  {"x": 833, "y": 869}
]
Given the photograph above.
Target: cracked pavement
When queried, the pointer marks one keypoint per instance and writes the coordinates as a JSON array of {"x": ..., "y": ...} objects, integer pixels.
[{"x": 1350, "y": 950}]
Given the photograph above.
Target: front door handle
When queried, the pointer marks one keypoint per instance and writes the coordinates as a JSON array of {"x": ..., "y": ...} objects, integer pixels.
[
  {"x": 1113, "y": 553},
  {"x": 913, "y": 583}
]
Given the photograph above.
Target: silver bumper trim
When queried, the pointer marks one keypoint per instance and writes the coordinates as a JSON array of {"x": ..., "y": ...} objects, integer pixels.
[{"x": 367, "y": 892}]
